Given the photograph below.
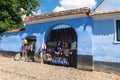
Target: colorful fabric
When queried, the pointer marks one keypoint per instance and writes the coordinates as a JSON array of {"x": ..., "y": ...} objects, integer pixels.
[
  {"x": 43, "y": 47},
  {"x": 23, "y": 51}
]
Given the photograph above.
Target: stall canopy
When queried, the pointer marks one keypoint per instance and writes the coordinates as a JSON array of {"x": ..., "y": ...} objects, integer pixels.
[{"x": 31, "y": 38}]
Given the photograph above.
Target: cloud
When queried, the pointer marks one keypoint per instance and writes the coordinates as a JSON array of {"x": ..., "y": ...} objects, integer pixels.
[
  {"x": 23, "y": 17},
  {"x": 72, "y": 4},
  {"x": 34, "y": 13}
]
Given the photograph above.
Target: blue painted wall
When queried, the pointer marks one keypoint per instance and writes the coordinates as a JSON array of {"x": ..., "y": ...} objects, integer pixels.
[
  {"x": 104, "y": 47},
  {"x": 12, "y": 41},
  {"x": 110, "y": 5},
  {"x": 82, "y": 26},
  {"x": 94, "y": 37}
]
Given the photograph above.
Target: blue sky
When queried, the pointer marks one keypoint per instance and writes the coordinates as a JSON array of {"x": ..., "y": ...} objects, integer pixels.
[{"x": 48, "y": 6}]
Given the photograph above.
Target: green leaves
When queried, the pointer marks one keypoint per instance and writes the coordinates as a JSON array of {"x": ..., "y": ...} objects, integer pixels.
[{"x": 10, "y": 12}]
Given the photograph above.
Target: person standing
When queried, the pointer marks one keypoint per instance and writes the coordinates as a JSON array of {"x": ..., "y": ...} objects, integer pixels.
[{"x": 24, "y": 48}]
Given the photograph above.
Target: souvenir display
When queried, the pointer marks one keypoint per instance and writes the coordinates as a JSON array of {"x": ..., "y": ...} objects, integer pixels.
[{"x": 59, "y": 47}]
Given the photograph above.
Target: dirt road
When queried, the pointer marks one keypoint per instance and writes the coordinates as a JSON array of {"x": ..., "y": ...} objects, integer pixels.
[{"x": 20, "y": 70}]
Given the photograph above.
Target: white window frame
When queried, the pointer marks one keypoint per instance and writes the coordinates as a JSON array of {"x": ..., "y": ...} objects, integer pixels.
[{"x": 115, "y": 31}]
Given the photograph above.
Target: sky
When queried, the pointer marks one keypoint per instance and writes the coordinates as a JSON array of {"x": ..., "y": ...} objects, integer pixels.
[{"x": 48, "y": 6}]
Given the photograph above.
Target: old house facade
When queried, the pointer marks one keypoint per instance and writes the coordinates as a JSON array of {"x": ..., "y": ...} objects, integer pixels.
[{"x": 97, "y": 34}]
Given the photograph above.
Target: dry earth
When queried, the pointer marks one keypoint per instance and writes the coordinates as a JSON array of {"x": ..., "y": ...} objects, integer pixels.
[{"x": 20, "y": 70}]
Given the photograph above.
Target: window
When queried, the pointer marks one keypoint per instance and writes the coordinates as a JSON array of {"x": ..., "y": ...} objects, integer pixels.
[{"x": 118, "y": 30}]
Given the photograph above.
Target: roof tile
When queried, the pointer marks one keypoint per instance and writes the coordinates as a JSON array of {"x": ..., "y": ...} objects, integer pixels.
[
  {"x": 105, "y": 12},
  {"x": 57, "y": 14}
]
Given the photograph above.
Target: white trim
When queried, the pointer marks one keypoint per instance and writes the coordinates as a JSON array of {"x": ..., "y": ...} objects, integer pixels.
[
  {"x": 106, "y": 16},
  {"x": 116, "y": 42},
  {"x": 57, "y": 18},
  {"x": 115, "y": 33},
  {"x": 115, "y": 38}
]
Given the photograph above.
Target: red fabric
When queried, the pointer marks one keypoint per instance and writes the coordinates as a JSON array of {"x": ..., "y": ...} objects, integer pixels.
[
  {"x": 23, "y": 51},
  {"x": 43, "y": 47}
]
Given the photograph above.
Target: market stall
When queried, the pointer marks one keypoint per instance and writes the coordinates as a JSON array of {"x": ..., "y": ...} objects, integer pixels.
[
  {"x": 31, "y": 46},
  {"x": 61, "y": 47}
]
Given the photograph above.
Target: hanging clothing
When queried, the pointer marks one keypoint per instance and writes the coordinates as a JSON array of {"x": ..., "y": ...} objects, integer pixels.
[
  {"x": 24, "y": 46},
  {"x": 23, "y": 50},
  {"x": 44, "y": 47},
  {"x": 73, "y": 45}
]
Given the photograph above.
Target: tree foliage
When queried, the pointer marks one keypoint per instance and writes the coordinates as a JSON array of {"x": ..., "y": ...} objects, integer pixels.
[{"x": 12, "y": 10}]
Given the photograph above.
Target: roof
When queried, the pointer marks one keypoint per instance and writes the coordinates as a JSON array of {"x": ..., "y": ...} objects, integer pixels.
[
  {"x": 84, "y": 10},
  {"x": 14, "y": 30},
  {"x": 105, "y": 7},
  {"x": 105, "y": 12},
  {"x": 100, "y": 5},
  {"x": 108, "y": 5}
]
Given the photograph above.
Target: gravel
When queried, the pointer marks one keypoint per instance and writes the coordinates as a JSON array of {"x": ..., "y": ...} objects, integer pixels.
[{"x": 21, "y": 70}]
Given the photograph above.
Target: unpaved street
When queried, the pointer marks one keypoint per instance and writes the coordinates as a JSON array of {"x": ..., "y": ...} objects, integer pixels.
[{"x": 20, "y": 70}]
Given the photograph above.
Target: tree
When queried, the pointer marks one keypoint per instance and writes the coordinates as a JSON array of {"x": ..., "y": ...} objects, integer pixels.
[{"x": 12, "y": 10}]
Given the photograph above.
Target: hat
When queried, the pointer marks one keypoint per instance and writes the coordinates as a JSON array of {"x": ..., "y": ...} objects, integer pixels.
[{"x": 25, "y": 41}]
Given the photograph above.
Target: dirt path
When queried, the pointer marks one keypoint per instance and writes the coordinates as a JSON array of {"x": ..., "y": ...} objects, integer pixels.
[{"x": 20, "y": 70}]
